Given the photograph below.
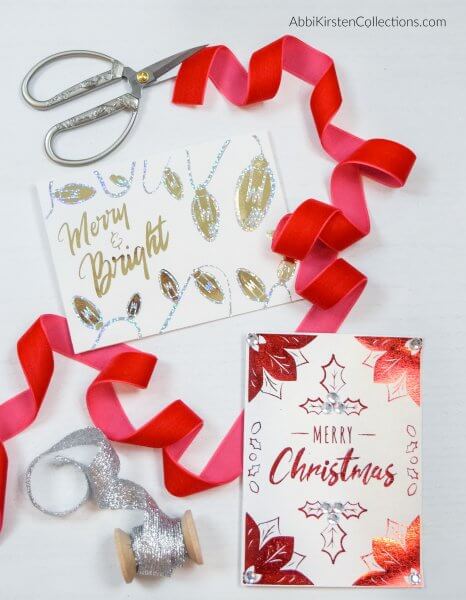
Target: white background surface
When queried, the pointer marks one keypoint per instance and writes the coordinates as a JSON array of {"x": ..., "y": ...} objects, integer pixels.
[{"x": 402, "y": 84}]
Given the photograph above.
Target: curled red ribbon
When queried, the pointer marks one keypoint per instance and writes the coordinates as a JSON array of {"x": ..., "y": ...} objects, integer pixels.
[
  {"x": 313, "y": 234},
  {"x": 173, "y": 429}
]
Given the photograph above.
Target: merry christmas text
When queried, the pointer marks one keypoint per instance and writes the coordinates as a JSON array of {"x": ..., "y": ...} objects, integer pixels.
[{"x": 291, "y": 464}]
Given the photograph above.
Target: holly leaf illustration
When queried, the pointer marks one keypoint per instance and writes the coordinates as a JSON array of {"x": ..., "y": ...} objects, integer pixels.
[
  {"x": 333, "y": 536},
  {"x": 313, "y": 406},
  {"x": 353, "y": 509},
  {"x": 253, "y": 470},
  {"x": 411, "y": 447},
  {"x": 412, "y": 473},
  {"x": 312, "y": 509},
  {"x": 354, "y": 407},
  {"x": 333, "y": 376},
  {"x": 275, "y": 554},
  {"x": 255, "y": 443}
]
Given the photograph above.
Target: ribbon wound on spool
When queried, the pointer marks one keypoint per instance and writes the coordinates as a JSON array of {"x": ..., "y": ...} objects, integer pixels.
[{"x": 158, "y": 544}]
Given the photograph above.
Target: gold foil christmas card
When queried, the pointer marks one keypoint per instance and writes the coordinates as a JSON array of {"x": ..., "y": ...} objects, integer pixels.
[{"x": 167, "y": 242}]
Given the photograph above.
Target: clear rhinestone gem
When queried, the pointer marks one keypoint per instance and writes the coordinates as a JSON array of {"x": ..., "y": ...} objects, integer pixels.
[
  {"x": 333, "y": 398},
  {"x": 253, "y": 341},
  {"x": 326, "y": 506},
  {"x": 328, "y": 408},
  {"x": 415, "y": 577},
  {"x": 250, "y": 576},
  {"x": 333, "y": 518},
  {"x": 338, "y": 507},
  {"x": 339, "y": 408},
  {"x": 415, "y": 344}
]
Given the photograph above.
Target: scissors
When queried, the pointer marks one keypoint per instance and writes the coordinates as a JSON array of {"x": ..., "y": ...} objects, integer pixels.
[{"x": 129, "y": 102}]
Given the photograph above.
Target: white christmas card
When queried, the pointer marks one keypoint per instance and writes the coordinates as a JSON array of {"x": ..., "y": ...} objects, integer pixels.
[
  {"x": 332, "y": 461},
  {"x": 168, "y": 241}
]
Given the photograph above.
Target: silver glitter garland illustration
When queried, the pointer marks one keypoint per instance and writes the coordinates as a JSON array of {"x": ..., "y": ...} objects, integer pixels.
[
  {"x": 204, "y": 208},
  {"x": 144, "y": 177},
  {"x": 158, "y": 544},
  {"x": 205, "y": 282},
  {"x": 119, "y": 180},
  {"x": 91, "y": 317},
  {"x": 254, "y": 192}
]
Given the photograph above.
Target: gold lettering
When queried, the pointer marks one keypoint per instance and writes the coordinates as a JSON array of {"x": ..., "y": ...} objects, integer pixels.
[
  {"x": 156, "y": 238},
  {"x": 79, "y": 235},
  {"x": 94, "y": 228},
  {"x": 74, "y": 237},
  {"x": 104, "y": 271},
  {"x": 101, "y": 271}
]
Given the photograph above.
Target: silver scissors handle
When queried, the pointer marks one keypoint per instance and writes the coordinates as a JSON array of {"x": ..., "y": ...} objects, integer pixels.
[
  {"x": 127, "y": 102},
  {"x": 79, "y": 89}
]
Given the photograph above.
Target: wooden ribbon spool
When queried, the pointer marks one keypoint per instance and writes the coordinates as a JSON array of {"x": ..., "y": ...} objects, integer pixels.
[{"x": 126, "y": 556}]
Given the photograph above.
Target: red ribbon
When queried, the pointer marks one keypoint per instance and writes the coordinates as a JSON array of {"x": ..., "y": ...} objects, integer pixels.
[
  {"x": 173, "y": 429},
  {"x": 313, "y": 234}
]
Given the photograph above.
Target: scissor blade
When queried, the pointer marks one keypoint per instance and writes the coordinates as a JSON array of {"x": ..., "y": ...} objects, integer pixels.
[{"x": 161, "y": 67}]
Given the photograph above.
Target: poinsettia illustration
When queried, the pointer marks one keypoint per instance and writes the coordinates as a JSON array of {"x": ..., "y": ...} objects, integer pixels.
[
  {"x": 396, "y": 363},
  {"x": 399, "y": 562},
  {"x": 274, "y": 358},
  {"x": 270, "y": 558}
]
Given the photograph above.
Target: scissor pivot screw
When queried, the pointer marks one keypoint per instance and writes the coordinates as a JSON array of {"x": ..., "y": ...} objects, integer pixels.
[{"x": 142, "y": 77}]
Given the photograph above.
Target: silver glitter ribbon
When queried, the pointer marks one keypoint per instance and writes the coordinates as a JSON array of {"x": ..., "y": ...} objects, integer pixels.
[{"x": 158, "y": 543}]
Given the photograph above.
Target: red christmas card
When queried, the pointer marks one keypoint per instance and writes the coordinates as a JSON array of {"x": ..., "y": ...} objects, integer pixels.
[{"x": 332, "y": 463}]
